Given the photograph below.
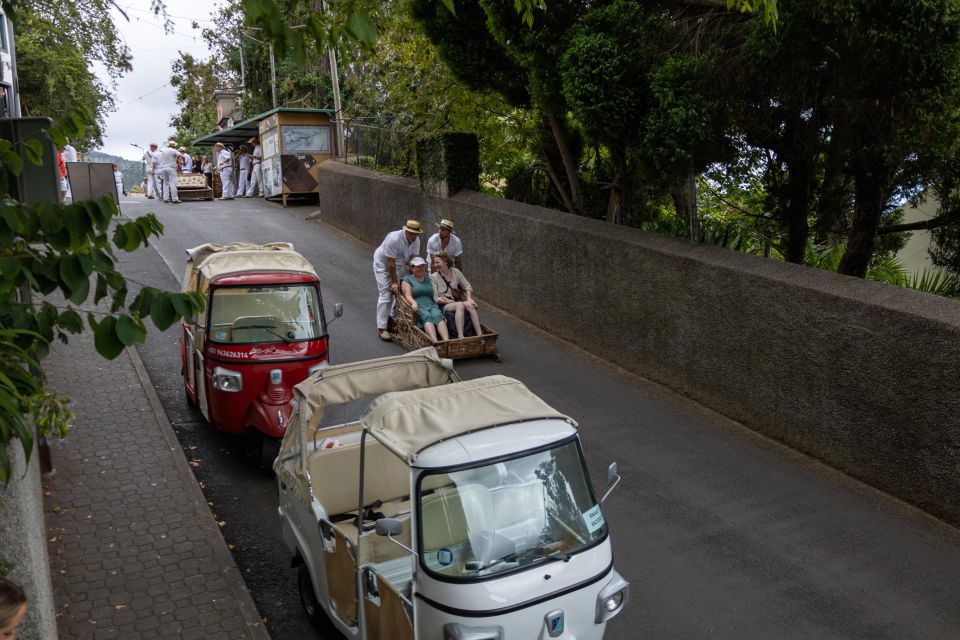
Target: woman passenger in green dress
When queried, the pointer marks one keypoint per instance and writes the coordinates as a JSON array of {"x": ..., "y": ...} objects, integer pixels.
[{"x": 417, "y": 290}]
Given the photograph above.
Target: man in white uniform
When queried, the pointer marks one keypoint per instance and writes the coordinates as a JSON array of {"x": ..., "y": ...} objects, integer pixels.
[
  {"x": 243, "y": 168},
  {"x": 69, "y": 154},
  {"x": 168, "y": 171},
  {"x": 150, "y": 160},
  {"x": 389, "y": 265},
  {"x": 224, "y": 162},
  {"x": 187, "y": 161},
  {"x": 444, "y": 240},
  {"x": 256, "y": 158}
]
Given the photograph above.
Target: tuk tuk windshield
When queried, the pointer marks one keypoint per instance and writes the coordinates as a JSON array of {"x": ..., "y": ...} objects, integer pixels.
[
  {"x": 264, "y": 314},
  {"x": 508, "y": 516}
]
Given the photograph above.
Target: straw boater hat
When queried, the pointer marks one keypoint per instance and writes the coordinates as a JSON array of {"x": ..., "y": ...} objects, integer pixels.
[
  {"x": 219, "y": 144},
  {"x": 446, "y": 224},
  {"x": 183, "y": 148},
  {"x": 153, "y": 144},
  {"x": 172, "y": 143},
  {"x": 252, "y": 140},
  {"x": 412, "y": 226}
]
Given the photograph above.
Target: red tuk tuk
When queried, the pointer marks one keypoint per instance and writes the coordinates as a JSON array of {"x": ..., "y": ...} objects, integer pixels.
[{"x": 263, "y": 331}]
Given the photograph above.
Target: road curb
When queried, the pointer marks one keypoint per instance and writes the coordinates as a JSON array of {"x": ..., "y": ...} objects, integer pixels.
[{"x": 248, "y": 610}]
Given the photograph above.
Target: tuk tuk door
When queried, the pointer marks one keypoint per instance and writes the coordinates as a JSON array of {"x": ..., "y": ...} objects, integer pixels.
[{"x": 193, "y": 337}]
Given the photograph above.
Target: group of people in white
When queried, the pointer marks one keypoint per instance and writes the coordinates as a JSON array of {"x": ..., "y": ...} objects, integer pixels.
[
  {"x": 435, "y": 287},
  {"x": 161, "y": 168}
]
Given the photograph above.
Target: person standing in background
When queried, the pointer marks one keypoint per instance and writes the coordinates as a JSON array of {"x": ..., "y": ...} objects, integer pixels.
[
  {"x": 243, "y": 169},
  {"x": 118, "y": 180},
  {"x": 256, "y": 158},
  {"x": 187, "y": 161},
  {"x": 168, "y": 170},
  {"x": 206, "y": 168},
  {"x": 150, "y": 168},
  {"x": 224, "y": 162},
  {"x": 69, "y": 155},
  {"x": 62, "y": 172}
]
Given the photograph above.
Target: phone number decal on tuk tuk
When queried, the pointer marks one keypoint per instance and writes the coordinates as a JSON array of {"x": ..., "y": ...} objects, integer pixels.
[{"x": 225, "y": 353}]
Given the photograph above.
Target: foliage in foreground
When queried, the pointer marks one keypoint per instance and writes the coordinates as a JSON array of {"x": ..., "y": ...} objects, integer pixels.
[{"x": 68, "y": 251}]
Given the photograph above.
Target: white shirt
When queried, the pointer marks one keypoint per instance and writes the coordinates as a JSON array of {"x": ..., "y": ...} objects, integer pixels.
[
  {"x": 69, "y": 153},
  {"x": 257, "y": 155},
  {"x": 244, "y": 161},
  {"x": 187, "y": 163},
  {"x": 454, "y": 248},
  {"x": 156, "y": 158},
  {"x": 224, "y": 160},
  {"x": 118, "y": 178},
  {"x": 149, "y": 161},
  {"x": 168, "y": 158},
  {"x": 395, "y": 246}
]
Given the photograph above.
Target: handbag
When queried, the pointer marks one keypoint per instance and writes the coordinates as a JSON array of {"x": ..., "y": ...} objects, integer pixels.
[{"x": 454, "y": 292}]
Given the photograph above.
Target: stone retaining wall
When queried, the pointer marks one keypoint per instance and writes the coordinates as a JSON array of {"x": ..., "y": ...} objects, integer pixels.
[{"x": 862, "y": 375}]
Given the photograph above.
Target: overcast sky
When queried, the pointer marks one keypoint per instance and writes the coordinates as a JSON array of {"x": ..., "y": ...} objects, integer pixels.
[{"x": 145, "y": 100}]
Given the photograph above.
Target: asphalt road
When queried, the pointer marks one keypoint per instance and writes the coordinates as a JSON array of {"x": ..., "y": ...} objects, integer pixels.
[{"x": 722, "y": 533}]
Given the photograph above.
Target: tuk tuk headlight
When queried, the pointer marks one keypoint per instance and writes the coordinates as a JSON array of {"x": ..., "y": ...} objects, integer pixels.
[
  {"x": 320, "y": 365},
  {"x": 227, "y": 380},
  {"x": 612, "y": 598}
]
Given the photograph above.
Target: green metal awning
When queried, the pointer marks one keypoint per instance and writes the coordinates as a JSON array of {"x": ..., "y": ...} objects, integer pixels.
[{"x": 240, "y": 133}]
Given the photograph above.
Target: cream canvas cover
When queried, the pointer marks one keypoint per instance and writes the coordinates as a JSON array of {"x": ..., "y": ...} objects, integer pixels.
[
  {"x": 208, "y": 261},
  {"x": 342, "y": 383},
  {"x": 408, "y": 422}
]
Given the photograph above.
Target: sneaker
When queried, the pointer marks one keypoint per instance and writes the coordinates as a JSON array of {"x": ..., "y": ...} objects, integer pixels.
[
  {"x": 168, "y": 201},
  {"x": 175, "y": 201},
  {"x": 149, "y": 197},
  {"x": 384, "y": 335}
]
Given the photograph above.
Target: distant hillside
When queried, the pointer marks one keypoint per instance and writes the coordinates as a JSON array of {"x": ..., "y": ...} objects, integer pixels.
[{"x": 132, "y": 170}]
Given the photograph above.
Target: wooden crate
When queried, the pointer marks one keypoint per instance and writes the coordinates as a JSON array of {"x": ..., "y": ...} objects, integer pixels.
[{"x": 405, "y": 333}]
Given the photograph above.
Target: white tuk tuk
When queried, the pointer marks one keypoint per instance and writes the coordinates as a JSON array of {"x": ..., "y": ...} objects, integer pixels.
[{"x": 449, "y": 510}]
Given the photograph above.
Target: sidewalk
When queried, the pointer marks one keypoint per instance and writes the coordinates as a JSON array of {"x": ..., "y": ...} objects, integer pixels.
[{"x": 134, "y": 549}]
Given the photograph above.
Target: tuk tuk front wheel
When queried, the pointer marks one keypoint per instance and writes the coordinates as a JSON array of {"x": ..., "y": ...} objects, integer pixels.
[{"x": 311, "y": 607}]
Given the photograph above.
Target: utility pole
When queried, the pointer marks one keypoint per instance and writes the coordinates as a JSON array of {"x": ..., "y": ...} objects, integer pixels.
[
  {"x": 273, "y": 77},
  {"x": 335, "y": 79}
]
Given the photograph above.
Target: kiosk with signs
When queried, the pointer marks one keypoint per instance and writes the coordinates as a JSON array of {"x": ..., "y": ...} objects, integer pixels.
[{"x": 293, "y": 144}]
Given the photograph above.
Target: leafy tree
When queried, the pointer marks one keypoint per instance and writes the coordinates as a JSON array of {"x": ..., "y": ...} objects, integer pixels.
[
  {"x": 195, "y": 82},
  {"x": 55, "y": 44},
  {"x": 70, "y": 250},
  {"x": 857, "y": 101},
  {"x": 403, "y": 85}
]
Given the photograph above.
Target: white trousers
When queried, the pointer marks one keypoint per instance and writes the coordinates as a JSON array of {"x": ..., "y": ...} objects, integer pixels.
[
  {"x": 254, "y": 185},
  {"x": 169, "y": 175},
  {"x": 226, "y": 181},
  {"x": 153, "y": 187},
  {"x": 385, "y": 300},
  {"x": 242, "y": 182}
]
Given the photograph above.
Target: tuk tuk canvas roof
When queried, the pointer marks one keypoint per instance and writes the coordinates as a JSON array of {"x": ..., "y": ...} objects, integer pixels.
[
  {"x": 209, "y": 261},
  {"x": 342, "y": 383},
  {"x": 408, "y": 422}
]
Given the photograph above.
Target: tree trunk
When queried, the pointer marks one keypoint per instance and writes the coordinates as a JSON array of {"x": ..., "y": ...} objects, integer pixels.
[
  {"x": 689, "y": 192},
  {"x": 616, "y": 213},
  {"x": 685, "y": 204},
  {"x": 569, "y": 163},
  {"x": 867, "y": 208},
  {"x": 797, "y": 210}
]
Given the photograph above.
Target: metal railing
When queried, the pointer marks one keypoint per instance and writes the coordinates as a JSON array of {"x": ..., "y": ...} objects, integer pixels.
[{"x": 380, "y": 149}]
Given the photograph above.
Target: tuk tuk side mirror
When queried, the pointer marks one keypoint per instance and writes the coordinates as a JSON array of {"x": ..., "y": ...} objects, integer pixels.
[
  {"x": 337, "y": 311},
  {"x": 390, "y": 527},
  {"x": 613, "y": 479}
]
